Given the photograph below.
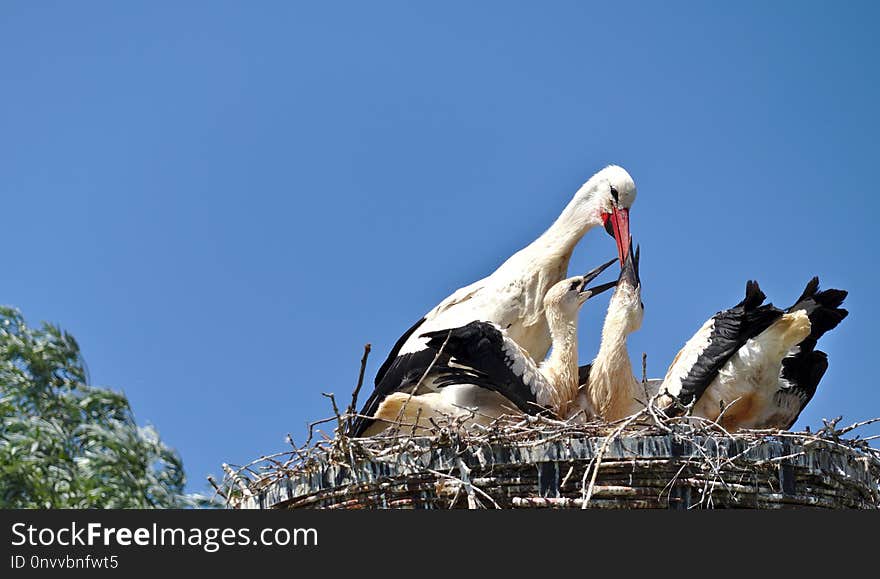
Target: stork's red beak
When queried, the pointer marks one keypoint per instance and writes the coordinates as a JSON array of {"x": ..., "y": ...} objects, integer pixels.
[{"x": 617, "y": 224}]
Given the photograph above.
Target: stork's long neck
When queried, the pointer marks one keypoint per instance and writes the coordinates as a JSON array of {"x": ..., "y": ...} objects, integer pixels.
[
  {"x": 612, "y": 389},
  {"x": 561, "y": 366},
  {"x": 576, "y": 219},
  {"x": 547, "y": 257}
]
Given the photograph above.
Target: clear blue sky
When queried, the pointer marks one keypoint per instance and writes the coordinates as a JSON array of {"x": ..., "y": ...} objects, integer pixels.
[{"x": 224, "y": 201}]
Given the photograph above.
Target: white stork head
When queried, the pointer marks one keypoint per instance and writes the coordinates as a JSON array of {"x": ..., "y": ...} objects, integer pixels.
[
  {"x": 565, "y": 298},
  {"x": 607, "y": 197},
  {"x": 625, "y": 308}
]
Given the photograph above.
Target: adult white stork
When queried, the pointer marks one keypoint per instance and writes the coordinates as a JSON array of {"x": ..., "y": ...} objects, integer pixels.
[
  {"x": 512, "y": 296},
  {"x": 755, "y": 366},
  {"x": 486, "y": 374}
]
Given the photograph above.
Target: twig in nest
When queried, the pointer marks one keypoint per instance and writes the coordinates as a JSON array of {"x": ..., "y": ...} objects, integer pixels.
[
  {"x": 597, "y": 460},
  {"x": 217, "y": 488},
  {"x": 652, "y": 410},
  {"x": 312, "y": 426},
  {"x": 236, "y": 478},
  {"x": 830, "y": 427},
  {"x": 724, "y": 409},
  {"x": 340, "y": 425},
  {"x": 467, "y": 486},
  {"x": 566, "y": 477},
  {"x": 415, "y": 425},
  {"x": 293, "y": 445},
  {"x": 352, "y": 408},
  {"x": 852, "y": 427}
]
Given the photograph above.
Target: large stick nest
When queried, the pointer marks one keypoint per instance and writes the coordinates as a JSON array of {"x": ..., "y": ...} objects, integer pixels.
[{"x": 645, "y": 461}]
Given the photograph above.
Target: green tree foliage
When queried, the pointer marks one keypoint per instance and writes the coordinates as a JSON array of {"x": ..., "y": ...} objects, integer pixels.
[{"x": 66, "y": 444}]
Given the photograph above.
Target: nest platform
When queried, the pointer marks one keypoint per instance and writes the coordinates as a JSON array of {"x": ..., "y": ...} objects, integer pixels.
[{"x": 542, "y": 464}]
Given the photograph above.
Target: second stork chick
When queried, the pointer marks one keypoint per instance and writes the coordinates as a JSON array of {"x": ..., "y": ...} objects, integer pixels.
[{"x": 608, "y": 389}]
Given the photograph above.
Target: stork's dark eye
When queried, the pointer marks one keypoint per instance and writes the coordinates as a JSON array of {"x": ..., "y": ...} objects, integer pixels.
[
  {"x": 575, "y": 286},
  {"x": 615, "y": 195}
]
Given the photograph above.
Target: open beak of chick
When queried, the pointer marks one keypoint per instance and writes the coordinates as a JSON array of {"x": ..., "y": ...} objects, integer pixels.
[{"x": 585, "y": 292}]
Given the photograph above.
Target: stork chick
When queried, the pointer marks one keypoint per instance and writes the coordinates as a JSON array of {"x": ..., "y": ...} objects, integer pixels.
[
  {"x": 488, "y": 374},
  {"x": 610, "y": 391}
]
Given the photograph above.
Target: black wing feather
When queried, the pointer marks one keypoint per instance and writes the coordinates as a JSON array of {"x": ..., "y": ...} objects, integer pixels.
[
  {"x": 804, "y": 370},
  {"x": 404, "y": 372},
  {"x": 823, "y": 309},
  {"x": 395, "y": 374},
  {"x": 395, "y": 349},
  {"x": 479, "y": 346},
  {"x": 732, "y": 329},
  {"x": 519, "y": 397}
]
